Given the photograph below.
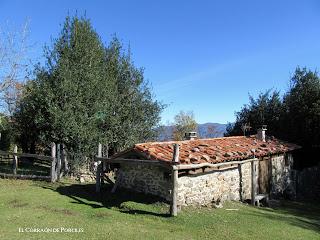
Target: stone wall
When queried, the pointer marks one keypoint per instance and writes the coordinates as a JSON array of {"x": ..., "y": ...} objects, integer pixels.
[
  {"x": 281, "y": 180},
  {"x": 215, "y": 186},
  {"x": 145, "y": 178},
  {"x": 233, "y": 183},
  {"x": 86, "y": 173},
  {"x": 205, "y": 188},
  {"x": 245, "y": 180}
]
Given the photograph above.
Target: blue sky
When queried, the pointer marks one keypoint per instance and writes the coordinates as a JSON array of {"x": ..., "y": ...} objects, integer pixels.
[{"x": 204, "y": 56}]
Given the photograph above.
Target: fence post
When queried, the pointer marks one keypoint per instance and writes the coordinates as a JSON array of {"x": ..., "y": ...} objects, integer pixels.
[
  {"x": 99, "y": 169},
  {"x": 58, "y": 161},
  {"x": 15, "y": 159},
  {"x": 53, "y": 163},
  {"x": 174, "y": 179}
]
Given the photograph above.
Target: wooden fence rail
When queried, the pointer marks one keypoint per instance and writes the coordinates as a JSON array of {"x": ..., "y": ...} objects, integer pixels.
[
  {"x": 57, "y": 154},
  {"x": 28, "y": 155}
]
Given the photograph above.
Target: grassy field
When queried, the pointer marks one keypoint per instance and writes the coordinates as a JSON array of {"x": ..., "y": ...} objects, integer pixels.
[{"x": 35, "y": 204}]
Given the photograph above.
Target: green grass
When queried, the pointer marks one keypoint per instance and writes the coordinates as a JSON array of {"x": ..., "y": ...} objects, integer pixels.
[{"x": 125, "y": 215}]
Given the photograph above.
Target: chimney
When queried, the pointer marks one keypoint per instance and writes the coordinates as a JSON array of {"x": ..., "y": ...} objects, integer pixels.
[
  {"x": 261, "y": 134},
  {"x": 190, "y": 135}
]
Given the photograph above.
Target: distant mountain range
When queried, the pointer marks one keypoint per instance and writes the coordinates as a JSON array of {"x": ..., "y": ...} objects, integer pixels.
[{"x": 205, "y": 130}]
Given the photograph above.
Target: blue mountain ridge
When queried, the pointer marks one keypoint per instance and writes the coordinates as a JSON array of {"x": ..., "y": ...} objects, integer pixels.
[{"x": 205, "y": 130}]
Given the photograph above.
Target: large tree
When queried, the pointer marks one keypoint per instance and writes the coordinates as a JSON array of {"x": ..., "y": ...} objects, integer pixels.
[
  {"x": 266, "y": 109},
  {"x": 88, "y": 93},
  {"x": 135, "y": 115},
  {"x": 13, "y": 71},
  {"x": 302, "y": 108},
  {"x": 14, "y": 64},
  {"x": 295, "y": 117}
]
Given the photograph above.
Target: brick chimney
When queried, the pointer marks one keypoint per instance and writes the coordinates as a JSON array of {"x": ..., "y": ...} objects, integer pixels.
[
  {"x": 190, "y": 136},
  {"x": 261, "y": 134}
]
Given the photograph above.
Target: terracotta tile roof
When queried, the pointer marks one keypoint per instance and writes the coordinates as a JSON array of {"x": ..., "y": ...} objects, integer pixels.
[{"x": 214, "y": 150}]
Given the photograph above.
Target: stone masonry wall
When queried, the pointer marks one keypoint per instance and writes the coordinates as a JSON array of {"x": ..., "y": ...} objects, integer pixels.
[
  {"x": 245, "y": 177},
  {"x": 205, "y": 188},
  {"x": 145, "y": 178},
  {"x": 281, "y": 180},
  {"x": 233, "y": 184}
]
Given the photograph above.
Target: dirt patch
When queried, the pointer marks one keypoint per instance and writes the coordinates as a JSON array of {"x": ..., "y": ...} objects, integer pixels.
[
  {"x": 102, "y": 214},
  {"x": 57, "y": 210},
  {"x": 16, "y": 203}
]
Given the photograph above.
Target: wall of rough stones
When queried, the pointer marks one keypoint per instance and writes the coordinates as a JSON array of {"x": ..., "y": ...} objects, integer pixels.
[
  {"x": 281, "y": 180},
  {"x": 216, "y": 186},
  {"x": 245, "y": 180},
  {"x": 204, "y": 188},
  {"x": 145, "y": 178},
  {"x": 86, "y": 173},
  {"x": 234, "y": 183},
  {"x": 207, "y": 188}
]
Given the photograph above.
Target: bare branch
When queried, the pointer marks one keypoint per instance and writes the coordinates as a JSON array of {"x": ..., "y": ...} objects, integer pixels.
[{"x": 13, "y": 64}]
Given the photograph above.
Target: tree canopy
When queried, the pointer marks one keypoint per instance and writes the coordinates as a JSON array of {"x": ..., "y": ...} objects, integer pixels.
[
  {"x": 86, "y": 93},
  {"x": 302, "y": 109},
  {"x": 295, "y": 117},
  {"x": 265, "y": 110}
]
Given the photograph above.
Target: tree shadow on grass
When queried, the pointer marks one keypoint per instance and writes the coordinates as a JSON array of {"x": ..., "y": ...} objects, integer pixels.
[
  {"x": 299, "y": 214},
  {"x": 126, "y": 201}
]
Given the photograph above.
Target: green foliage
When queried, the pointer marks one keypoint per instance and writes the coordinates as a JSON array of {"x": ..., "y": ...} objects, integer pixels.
[
  {"x": 266, "y": 109},
  {"x": 184, "y": 122},
  {"x": 3, "y": 122},
  {"x": 32, "y": 119},
  {"x": 5, "y": 132},
  {"x": 295, "y": 117},
  {"x": 302, "y": 108},
  {"x": 85, "y": 94},
  {"x": 135, "y": 115}
]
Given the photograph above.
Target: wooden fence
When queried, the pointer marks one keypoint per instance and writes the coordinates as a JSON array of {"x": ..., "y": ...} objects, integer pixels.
[{"x": 58, "y": 156}]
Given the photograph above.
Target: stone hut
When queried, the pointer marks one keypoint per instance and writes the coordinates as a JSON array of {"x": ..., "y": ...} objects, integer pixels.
[{"x": 206, "y": 171}]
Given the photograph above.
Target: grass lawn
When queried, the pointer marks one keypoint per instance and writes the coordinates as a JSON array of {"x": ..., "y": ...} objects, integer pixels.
[{"x": 37, "y": 204}]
